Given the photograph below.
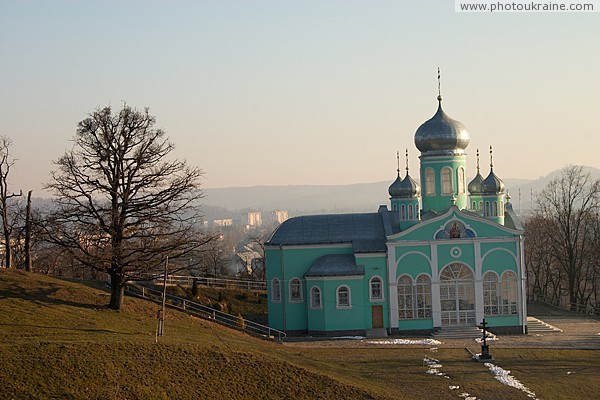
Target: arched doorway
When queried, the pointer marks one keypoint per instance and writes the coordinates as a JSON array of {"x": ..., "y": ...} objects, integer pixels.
[{"x": 457, "y": 295}]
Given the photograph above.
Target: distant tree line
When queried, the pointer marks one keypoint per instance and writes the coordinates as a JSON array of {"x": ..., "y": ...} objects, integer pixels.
[{"x": 562, "y": 243}]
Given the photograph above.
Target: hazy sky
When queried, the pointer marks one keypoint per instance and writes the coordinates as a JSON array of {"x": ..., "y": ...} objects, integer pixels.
[{"x": 301, "y": 92}]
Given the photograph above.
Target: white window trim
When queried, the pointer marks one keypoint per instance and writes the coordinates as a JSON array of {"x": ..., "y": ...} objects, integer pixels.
[
  {"x": 337, "y": 298},
  {"x": 376, "y": 299},
  {"x": 460, "y": 179},
  {"x": 312, "y": 305},
  {"x": 301, "y": 299},
  {"x": 273, "y": 299}
]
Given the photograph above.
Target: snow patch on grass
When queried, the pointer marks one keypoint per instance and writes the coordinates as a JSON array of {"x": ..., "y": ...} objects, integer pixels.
[
  {"x": 489, "y": 339},
  {"x": 506, "y": 378},
  {"x": 405, "y": 341},
  {"x": 434, "y": 367}
]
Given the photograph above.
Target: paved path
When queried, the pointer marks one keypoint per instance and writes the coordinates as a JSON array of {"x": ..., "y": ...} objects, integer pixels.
[{"x": 578, "y": 332}]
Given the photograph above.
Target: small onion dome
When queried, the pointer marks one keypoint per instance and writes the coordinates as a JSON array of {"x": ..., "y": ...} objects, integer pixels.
[
  {"x": 441, "y": 135},
  {"x": 395, "y": 189},
  {"x": 475, "y": 185},
  {"x": 409, "y": 188},
  {"x": 492, "y": 184}
]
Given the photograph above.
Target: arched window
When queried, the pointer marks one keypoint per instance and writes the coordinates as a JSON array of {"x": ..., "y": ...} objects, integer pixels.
[
  {"x": 474, "y": 205},
  {"x": 461, "y": 180},
  {"x": 343, "y": 297},
  {"x": 403, "y": 212},
  {"x": 295, "y": 290},
  {"x": 490, "y": 294},
  {"x": 481, "y": 205},
  {"x": 315, "y": 297},
  {"x": 417, "y": 211},
  {"x": 394, "y": 207},
  {"x": 495, "y": 208},
  {"x": 423, "y": 295},
  {"x": 487, "y": 209},
  {"x": 376, "y": 288},
  {"x": 275, "y": 290},
  {"x": 446, "y": 180},
  {"x": 414, "y": 300},
  {"x": 410, "y": 212},
  {"x": 509, "y": 293},
  {"x": 429, "y": 181},
  {"x": 405, "y": 297}
]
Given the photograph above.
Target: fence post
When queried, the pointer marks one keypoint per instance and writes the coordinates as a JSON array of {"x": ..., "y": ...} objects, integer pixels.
[{"x": 184, "y": 302}]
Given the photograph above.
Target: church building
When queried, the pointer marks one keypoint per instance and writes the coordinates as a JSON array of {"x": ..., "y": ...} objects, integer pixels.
[{"x": 444, "y": 254}]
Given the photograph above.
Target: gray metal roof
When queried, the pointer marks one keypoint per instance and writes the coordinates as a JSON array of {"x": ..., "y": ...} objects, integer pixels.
[
  {"x": 365, "y": 230},
  {"x": 335, "y": 265}
]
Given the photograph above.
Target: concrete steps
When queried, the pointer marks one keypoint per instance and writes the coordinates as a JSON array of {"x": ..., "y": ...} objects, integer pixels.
[
  {"x": 376, "y": 333},
  {"x": 460, "y": 332},
  {"x": 537, "y": 325}
]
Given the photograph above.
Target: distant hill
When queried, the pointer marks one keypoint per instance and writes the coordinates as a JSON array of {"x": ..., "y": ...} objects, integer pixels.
[
  {"x": 309, "y": 199},
  {"x": 360, "y": 197},
  {"x": 234, "y": 202}
]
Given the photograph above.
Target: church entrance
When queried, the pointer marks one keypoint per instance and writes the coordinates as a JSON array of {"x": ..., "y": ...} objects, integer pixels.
[{"x": 457, "y": 295}]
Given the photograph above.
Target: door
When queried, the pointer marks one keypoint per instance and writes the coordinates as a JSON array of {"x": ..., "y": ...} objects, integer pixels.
[
  {"x": 377, "y": 316},
  {"x": 457, "y": 295}
]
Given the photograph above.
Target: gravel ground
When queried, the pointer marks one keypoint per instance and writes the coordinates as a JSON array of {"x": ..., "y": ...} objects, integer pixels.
[{"x": 578, "y": 332}]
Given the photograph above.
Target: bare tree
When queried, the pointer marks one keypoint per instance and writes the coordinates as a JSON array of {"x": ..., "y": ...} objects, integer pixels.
[
  {"x": 568, "y": 205},
  {"x": 6, "y": 162},
  {"x": 122, "y": 205}
]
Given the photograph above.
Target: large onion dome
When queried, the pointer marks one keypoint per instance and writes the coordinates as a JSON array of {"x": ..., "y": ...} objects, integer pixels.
[{"x": 441, "y": 135}]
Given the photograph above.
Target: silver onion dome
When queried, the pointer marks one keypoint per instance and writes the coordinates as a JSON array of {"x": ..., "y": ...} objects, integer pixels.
[
  {"x": 395, "y": 189},
  {"x": 492, "y": 184},
  {"x": 441, "y": 135},
  {"x": 475, "y": 185},
  {"x": 410, "y": 188}
]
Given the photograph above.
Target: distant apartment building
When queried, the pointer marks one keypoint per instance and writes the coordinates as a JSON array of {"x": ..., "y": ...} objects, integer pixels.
[
  {"x": 254, "y": 218},
  {"x": 223, "y": 222},
  {"x": 281, "y": 216}
]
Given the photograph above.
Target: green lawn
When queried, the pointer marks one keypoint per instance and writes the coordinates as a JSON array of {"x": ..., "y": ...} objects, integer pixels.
[{"x": 59, "y": 341}]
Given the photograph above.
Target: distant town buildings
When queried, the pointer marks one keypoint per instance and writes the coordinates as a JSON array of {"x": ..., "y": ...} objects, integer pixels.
[
  {"x": 255, "y": 218},
  {"x": 280, "y": 216},
  {"x": 252, "y": 219},
  {"x": 223, "y": 222}
]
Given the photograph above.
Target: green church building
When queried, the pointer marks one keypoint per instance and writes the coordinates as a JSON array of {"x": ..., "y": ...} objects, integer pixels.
[{"x": 445, "y": 254}]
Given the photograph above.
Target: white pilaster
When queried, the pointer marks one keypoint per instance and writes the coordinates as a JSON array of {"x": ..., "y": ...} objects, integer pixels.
[
  {"x": 436, "y": 308},
  {"x": 392, "y": 286},
  {"x": 479, "y": 312}
]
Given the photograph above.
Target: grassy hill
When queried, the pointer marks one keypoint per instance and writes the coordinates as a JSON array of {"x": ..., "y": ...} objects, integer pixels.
[{"x": 59, "y": 341}]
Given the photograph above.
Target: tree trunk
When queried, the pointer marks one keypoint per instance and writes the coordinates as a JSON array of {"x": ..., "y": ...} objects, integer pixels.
[
  {"x": 116, "y": 291},
  {"x": 28, "y": 233},
  {"x": 7, "y": 244}
]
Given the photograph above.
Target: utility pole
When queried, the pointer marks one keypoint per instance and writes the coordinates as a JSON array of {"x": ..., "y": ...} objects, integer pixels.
[
  {"x": 28, "y": 233},
  {"x": 161, "y": 312}
]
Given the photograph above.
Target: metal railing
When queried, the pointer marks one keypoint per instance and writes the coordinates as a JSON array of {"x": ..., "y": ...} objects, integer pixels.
[
  {"x": 204, "y": 312},
  {"x": 214, "y": 282},
  {"x": 569, "y": 306}
]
